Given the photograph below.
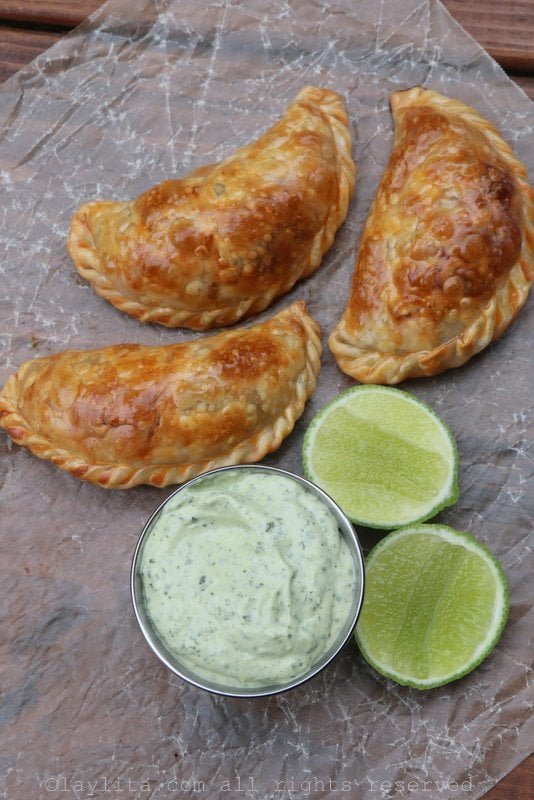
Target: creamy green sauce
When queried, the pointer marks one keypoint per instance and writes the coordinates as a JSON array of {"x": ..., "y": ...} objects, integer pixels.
[{"x": 247, "y": 578}]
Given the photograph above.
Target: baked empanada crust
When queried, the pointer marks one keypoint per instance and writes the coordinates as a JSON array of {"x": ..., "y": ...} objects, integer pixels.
[
  {"x": 130, "y": 414},
  {"x": 222, "y": 243},
  {"x": 446, "y": 258}
]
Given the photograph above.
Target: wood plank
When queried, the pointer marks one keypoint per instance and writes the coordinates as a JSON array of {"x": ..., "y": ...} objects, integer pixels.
[
  {"x": 515, "y": 17},
  {"x": 52, "y": 13},
  {"x": 517, "y": 784},
  {"x": 505, "y": 28},
  {"x": 526, "y": 82},
  {"x": 18, "y": 47}
]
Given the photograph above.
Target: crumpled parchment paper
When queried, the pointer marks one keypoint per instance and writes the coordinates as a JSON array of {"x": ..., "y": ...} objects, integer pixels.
[{"x": 146, "y": 90}]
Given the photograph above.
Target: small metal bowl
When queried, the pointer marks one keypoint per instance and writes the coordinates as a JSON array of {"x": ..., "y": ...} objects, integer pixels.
[{"x": 171, "y": 659}]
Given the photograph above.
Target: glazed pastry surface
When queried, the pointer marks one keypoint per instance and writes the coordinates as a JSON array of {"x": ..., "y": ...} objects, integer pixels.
[
  {"x": 130, "y": 414},
  {"x": 222, "y": 243},
  {"x": 446, "y": 257}
]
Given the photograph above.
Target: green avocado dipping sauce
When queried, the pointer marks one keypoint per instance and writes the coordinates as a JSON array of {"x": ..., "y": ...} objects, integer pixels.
[{"x": 247, "y": 578}]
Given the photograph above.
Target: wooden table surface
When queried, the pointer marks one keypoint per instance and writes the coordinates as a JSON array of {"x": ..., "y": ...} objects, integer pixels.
[{"x": 504, "y": 27}]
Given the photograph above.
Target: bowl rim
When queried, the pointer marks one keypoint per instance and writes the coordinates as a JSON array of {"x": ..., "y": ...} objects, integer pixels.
[{"x": 162, "y": 652}]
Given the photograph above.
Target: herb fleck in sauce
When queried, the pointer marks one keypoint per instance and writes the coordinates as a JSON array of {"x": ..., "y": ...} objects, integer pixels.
[{"x": 247, "y": 578}]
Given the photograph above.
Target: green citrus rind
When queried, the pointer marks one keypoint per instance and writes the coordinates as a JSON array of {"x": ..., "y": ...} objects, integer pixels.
[
  {"x": 441, "y": 609},
  {"x": 325, "y": 448}
]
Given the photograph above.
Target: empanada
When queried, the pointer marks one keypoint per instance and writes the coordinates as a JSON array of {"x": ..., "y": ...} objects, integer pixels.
[
  {"x": 446, "y": 257},
  {"x": 225, "y": 241},
  {"x": 130, "y": 414}
]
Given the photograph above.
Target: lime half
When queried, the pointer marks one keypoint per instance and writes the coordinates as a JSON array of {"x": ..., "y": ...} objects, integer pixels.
[
  {"x": 436, "y": 602},
  {"x": 384, "y": 456}
]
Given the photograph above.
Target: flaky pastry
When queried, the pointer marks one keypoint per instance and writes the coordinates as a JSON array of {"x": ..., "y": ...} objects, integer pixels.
[
  {"x": 446, "y": 258},
  {"x": 130, "y": 414},
  {"x": 222, "y": 243}
]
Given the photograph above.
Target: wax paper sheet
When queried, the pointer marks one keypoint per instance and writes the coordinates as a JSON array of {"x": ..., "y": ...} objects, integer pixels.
[{"x": 143, "y": 91}]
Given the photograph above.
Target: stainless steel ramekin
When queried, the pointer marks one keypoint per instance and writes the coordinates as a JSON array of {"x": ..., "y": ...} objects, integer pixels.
[{"x": 170, "y": 659}]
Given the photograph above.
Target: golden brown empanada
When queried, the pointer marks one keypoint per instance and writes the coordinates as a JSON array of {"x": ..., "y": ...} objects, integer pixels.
[
  {"x": 222, "y": 243},
  {"x": 130, "y": 414},
  {"x": 446, "y": 256}
]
